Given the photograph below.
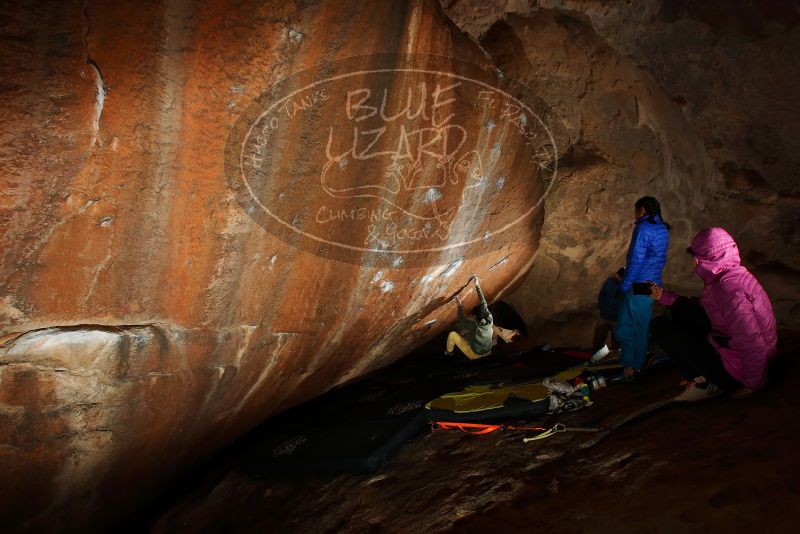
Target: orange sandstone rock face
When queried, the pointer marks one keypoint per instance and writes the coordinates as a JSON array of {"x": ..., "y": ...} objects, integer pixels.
[{"x": 213, "y": 211}]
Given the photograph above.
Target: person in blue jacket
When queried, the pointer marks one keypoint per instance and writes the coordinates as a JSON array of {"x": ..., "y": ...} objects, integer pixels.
[{"x": 646, "y": 257}]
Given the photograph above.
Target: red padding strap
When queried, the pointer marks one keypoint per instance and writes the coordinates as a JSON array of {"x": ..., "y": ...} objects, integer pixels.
[
  {"x": 478, "y": 428},
  {"x": 470, "y": 428}
]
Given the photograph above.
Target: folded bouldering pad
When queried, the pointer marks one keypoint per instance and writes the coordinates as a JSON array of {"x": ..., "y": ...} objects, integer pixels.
[
  {"x": 503, "y": 401},
  {"x": 484, "y": 403}
]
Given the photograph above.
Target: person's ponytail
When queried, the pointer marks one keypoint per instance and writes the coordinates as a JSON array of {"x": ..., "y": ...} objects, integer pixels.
[{"x": 652, "y": 208}]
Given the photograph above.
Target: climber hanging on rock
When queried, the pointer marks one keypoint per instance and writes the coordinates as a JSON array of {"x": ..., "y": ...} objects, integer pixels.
[{"x": 477, "y": 334}]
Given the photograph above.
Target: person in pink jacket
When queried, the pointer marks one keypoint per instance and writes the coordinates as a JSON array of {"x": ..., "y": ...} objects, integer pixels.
[{"x": 729, "y": 350}]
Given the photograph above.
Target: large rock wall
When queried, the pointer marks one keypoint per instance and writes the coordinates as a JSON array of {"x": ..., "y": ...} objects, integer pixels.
[
  {"x": 695, "y": 103},
  {"x": 151, "y": 311}
]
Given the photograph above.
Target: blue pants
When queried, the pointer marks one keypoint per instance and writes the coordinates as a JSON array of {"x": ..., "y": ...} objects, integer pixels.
[{"x": 632, "y": 328}]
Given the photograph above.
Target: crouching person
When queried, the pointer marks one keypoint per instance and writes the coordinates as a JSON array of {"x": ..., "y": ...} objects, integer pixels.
[
  {"x": 724, "y": 344},
  {"x": 472, "y": 336}
]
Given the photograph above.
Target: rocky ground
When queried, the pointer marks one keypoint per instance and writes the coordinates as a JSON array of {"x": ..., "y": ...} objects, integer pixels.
[{"x": 725, "y": 465}]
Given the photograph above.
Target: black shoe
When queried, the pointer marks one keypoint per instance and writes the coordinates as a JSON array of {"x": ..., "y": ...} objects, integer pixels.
[{"x": 623, "y": 379}]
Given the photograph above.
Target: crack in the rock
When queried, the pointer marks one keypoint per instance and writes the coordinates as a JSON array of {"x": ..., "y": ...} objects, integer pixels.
[
  {"x": 83, "y": 372},
  {"x": 501, "y": 261},
  {"x": 111, "y": 326},
  {"x": 101, "y": 86},
  {"x": 100, "y": 267}
]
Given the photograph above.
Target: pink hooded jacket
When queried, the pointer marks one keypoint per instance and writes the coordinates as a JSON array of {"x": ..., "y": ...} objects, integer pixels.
[{"x": 737, "y": 306}]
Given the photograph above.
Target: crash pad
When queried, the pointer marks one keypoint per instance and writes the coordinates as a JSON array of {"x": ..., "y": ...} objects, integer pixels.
[
  {"x": 484, "y": 403},
  {"x": 351, "y": 447},
  {"x": 494, "y": 401},
  {"x": 482, "y": 398}
]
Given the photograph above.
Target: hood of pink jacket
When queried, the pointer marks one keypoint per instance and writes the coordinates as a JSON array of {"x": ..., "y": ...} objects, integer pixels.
[{"x": 715, "y": 251}]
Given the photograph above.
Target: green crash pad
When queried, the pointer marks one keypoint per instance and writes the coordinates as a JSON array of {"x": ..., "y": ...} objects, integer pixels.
[{"x": 485, "y": 402}]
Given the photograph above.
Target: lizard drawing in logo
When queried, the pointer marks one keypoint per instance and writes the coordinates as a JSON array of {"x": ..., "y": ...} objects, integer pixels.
[{"x": 426, "y": 173}]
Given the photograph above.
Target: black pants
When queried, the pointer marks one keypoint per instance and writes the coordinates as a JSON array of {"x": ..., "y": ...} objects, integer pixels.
[{"x": 682, "y": 337}]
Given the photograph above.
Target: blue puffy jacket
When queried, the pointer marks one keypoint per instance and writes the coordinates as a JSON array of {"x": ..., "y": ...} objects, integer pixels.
[{"x": 647, "y": 253}]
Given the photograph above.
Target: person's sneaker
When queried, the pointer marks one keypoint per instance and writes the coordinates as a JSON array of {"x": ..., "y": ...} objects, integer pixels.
[
  {"x": 694, "y": 393},
  {"x": 600, "y": 354},
  {"x": 446, "y": 353}
]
